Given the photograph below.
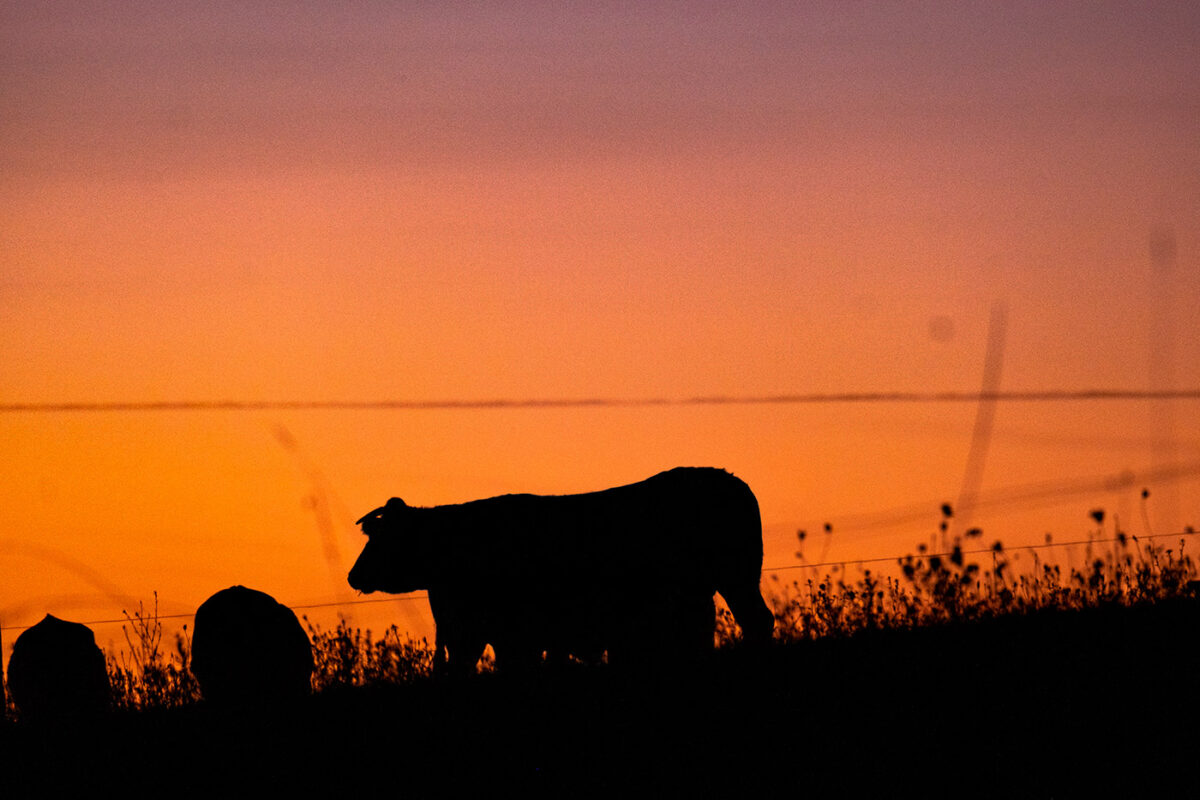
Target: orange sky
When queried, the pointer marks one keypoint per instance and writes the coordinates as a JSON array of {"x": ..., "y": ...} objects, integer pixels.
[{"x": 260, "y": 203}]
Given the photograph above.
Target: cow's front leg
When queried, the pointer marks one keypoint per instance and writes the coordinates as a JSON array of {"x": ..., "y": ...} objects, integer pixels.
[
  {"x": 459, "y": 655},
  {"x": 439, "y": 654},
  {"x": 518, "y": 658}
]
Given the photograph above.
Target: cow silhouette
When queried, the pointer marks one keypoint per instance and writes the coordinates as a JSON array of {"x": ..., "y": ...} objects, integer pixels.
[
  {"x": 56, "y": 670},
  {"x": 629, "y": 571},
  {"x": 248, "y": 649}
]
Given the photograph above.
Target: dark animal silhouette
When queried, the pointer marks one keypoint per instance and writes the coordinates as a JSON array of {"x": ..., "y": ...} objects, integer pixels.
[
  {"x": 248, "y": 649},
  {"x": 630, "y": 571},
  {"x": 56, "y": 670}
]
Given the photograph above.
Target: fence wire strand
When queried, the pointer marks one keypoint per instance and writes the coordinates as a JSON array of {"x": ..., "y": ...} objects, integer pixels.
[{"x": 421, "y": 595}]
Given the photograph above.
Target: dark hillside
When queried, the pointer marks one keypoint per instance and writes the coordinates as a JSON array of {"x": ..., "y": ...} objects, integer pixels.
[{"x": 1047, "y": 704}]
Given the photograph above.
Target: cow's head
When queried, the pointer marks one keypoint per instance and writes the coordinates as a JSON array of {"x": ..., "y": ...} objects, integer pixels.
[{"x": 395, "y": 558}]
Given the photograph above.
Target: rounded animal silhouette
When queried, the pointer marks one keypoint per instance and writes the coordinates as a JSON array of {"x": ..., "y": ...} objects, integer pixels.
[
  {"x": 56, "y": 670},
  {"x": 249, "y": 649}
]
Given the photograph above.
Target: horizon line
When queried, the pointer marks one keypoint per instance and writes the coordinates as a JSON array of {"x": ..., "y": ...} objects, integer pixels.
[{"x": 600, "y": 402}]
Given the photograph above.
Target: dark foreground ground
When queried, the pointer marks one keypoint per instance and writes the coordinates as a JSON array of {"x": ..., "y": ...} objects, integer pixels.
[{"x": 1098, "y": 703}]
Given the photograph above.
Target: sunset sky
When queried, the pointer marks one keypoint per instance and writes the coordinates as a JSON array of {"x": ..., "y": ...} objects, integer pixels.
[{"x": 460, "y": 203}]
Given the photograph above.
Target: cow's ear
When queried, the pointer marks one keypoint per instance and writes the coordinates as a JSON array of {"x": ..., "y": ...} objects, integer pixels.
[{"x": 395, "y": 504}]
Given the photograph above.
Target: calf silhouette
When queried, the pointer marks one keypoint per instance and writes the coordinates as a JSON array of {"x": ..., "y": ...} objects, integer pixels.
[
  {"x": 56, "y": 670},
  {"x": 247, "y": 649},
  {"x": 630, "y": 571}
]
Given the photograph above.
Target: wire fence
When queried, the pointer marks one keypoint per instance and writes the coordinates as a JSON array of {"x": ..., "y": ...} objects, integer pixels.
[
  {"x": 985, "y": 550},
  {"x": 843, "y": 563}
]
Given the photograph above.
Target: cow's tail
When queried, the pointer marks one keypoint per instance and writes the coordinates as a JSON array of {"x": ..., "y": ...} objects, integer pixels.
[
  {"x": 741, "y": 528},
  {"x": 751, "y": 612}
]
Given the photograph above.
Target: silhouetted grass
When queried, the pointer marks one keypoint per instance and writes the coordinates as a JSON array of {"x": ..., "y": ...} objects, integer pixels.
[
  {"x": 953, "y": 587},
  {"x": 146, "y": 677},
  {"x": 350, "y": 657}
]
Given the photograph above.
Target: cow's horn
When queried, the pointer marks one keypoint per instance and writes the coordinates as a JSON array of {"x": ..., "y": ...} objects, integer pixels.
[
  {"x": 395, "y": 504},
  {"x": 367, "y": 516}
]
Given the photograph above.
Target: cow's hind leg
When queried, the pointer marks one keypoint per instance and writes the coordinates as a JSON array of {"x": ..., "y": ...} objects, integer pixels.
[
  {"x": 694, "y": 624},
  {"x": 517, "y": 660},
  {"x": 439, "y": 654},
  {"x": 668, "y": 625}
]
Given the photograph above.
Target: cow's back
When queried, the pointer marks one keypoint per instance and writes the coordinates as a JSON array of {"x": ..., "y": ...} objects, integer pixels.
[{"x": 700, "y": 517}]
